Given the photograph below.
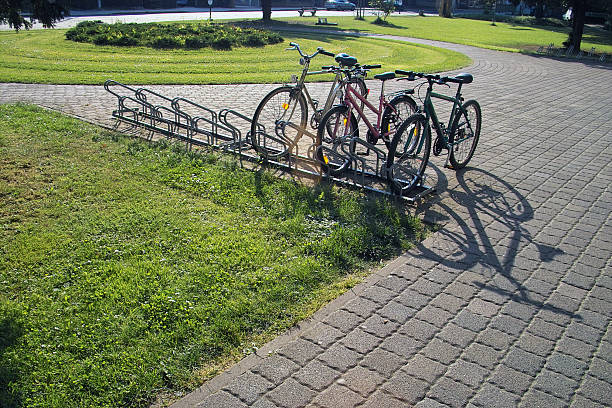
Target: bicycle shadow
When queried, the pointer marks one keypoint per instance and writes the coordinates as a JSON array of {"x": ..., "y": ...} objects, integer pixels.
[{"x": 486, "y": 231}]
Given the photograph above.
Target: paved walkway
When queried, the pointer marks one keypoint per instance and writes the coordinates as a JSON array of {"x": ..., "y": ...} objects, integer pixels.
[{"x": 508, "y": 305}]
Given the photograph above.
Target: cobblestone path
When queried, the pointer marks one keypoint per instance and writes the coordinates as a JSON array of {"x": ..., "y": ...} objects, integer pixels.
[{"x": 509, "y": 304}]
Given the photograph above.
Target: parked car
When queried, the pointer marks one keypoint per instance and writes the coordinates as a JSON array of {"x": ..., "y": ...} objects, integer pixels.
[{"x": 339, "y": 5}]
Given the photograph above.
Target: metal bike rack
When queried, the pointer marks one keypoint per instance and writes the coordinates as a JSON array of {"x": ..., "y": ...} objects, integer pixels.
[{"x": 230, "y": 131}]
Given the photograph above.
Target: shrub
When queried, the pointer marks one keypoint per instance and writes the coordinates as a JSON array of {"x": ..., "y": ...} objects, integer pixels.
[
  {"x": 166, "y": 42},
  {"x": 380, "y": 21},
  {"x": 165, "y": 36},
  {"x": 222, "y": 43},
  {"x": 253, "y": 40}
]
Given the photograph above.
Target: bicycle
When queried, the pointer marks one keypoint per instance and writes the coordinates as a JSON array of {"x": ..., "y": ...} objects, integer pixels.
[
  {"x": 270, "y": 136},
  {"x": 410, "y": 147},
  {"x": 340, "y": 125}
]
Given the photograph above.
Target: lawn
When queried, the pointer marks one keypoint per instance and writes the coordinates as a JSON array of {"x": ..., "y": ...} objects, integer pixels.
[
  {"x": 45, "y": 56},
  {"x": 131, "y": 269},
  {"x": 478, "y": 33}
]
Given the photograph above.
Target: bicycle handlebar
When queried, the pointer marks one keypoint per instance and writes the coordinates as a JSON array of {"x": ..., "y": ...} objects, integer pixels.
[
  {"x": 411, "y": 76},
  {"x": 320, "y": 50},
  {"x": 351, "y": 70}
]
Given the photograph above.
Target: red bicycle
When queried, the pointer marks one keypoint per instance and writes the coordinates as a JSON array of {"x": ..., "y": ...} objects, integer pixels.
[{"x": 340, "y": 124}]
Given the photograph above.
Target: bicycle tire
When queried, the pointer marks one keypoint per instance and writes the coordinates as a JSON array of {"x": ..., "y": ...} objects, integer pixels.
[
  {"x": 269, "y": 137},
  {"x": 402, "y": 107},
  {"x": 466, "y": 125},
  {"x": 409, "y": 154},
  {"x": 330, "y": 135}
]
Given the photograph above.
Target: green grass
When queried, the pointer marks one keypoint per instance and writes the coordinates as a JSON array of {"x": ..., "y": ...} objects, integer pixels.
[
  {"x": 45, "y": 56},
  {"x": 478, "y": 33},
  {"x": 131, "y": 269}
]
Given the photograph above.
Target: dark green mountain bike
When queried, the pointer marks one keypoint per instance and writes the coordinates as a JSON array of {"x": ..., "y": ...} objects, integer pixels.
[{"x": 410, "y": 147}]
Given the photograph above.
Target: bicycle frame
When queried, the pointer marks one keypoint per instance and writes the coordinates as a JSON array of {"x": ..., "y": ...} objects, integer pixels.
[
  {"x": 349, "y": 100},
  {"x": 430, "y": 113},
  {"x": 335, "y": 88}
]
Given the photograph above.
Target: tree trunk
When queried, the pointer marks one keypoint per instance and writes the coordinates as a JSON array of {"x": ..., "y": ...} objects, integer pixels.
[
  {"x": 266, "y": 7},
  {"x": 578, "y": 14},
  {"x": 539, "y": 10},
  {"x": 445, "y": 8}
]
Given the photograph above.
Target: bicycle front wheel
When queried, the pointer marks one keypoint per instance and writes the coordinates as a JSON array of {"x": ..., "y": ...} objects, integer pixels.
[
  {"x": 401, "y": 108},
  {"x": 271, "y": 135},
  {"x": 337, "y": 126},
  {"x": 465, "y": 134},
  {"x": 408, "y": 154}
]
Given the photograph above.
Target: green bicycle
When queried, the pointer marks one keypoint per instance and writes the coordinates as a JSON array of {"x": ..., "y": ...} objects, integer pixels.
[{"x": 409, "y": 150}]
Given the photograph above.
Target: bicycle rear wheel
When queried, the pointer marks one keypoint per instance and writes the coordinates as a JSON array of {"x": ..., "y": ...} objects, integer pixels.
[
  {"x": 270, "y": 135},
  {"x": 408, "y": 154},
  {"x": 336, "y": 127},
  {"x": 465, "y": 133}
]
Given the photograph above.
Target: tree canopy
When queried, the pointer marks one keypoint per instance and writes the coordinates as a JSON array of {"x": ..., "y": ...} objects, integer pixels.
[{"x": 47, "y": 12}]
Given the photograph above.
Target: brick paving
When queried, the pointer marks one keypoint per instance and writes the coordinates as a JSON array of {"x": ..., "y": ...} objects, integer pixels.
[{"x": 509, "y": 304}]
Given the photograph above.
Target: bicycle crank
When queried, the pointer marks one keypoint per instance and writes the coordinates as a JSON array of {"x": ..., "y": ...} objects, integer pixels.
[{"x": 438, "y": 146}]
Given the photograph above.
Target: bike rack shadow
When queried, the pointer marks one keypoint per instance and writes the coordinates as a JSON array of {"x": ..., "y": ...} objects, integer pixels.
[{"x": 480, "y": 200}]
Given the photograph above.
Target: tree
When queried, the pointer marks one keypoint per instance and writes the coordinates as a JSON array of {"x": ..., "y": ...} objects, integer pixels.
[
  {"x": 266, "y": 8},
  {"x": 384, "y": 7},
  {"x": 445, "y": 8},
  {"x": 46, "y": 11},
  {"x": 574, "y": 39}
]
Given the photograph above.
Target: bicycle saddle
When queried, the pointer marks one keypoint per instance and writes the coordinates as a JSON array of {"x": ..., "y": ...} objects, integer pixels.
[
  {"x": 346, "y": 60},
  {"x": 464, "y": 78},
  {"x": 385, "y": 75}
]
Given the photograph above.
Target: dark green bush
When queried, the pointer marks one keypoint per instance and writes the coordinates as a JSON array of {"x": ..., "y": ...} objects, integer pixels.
[
  {"x": 166, "y": 42},
  {"x": 222, "y": 43},
  {"x": 168, "y": 36},
  {"x": 253, "y": 40}
]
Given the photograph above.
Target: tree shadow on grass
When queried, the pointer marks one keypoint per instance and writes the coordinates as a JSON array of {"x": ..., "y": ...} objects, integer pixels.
[
  {"x": 589, "y": 62},
  {"x": 10, "y": 332}
]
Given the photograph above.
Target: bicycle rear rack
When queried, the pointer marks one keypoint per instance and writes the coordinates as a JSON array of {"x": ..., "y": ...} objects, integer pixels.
[{"x": 230, "y": 131}]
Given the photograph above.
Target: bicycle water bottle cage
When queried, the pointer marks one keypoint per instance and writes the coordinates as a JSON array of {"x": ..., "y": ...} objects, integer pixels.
[{"x": 346, "y": 60}]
